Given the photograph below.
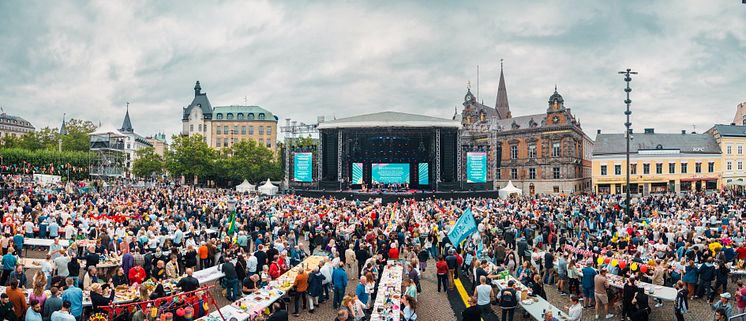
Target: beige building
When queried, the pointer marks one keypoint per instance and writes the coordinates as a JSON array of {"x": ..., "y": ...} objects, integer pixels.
[
  {"x": 222, "y": 126},
  {"x": 14, "y": 126},
  {"x": 732, "y": 141},
  {"x": 160, "y": 146},
  {"x": 659, "y": 163}
]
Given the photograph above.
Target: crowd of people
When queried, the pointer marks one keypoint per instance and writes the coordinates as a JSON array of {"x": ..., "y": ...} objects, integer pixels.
[{"x": 691, "y": 242}]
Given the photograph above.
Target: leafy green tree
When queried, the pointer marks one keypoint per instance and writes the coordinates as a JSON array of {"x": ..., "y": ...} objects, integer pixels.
[
  {"x": 252, "y": 161},
  {"x": 147, "y": 163},
  {"x": 189, "y": 156},
  {"x": 77, "y": 138}
]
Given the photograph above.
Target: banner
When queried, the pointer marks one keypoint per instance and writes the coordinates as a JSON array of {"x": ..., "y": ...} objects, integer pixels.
[
  {"x": 464, "y": 227},
  {"x": 303, "y": 167},
  {"x": 476, "y": 167},
  {"x": 357, "y": 173},
  {"x": 423, "y": 172}
]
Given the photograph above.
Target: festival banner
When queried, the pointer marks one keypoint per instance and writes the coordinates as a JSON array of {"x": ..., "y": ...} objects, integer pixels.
[{"x": 464, "y": 227}]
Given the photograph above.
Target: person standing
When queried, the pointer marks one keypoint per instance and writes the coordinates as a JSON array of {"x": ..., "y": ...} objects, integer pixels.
[
  {"x": 17, "y": 298},
  {"x": 9, "y": 262},
  {"x": 587, "y": 282},
  {"x": 315, "y": 288},
  {"x": 471, "y": 313},
  {"x": 361, "y": 292},
  {"x": 575, "y": 311},
  {"x": 508, "y": 301},
  {"x": 339, "y": 281},
  {"x": 681, "y": 304},
  {"x": 351, "y": 262},
  {"x": 64, "y": 313},
  {"x": 301, "y": 287},
  {"x": 231, "y": 280},
  {"x": 484, "y": 295},
  {"x": 452, "y": 265},
  {"x": 53, "y": 303},
  {"x": 601, "y": 284},
  {"x": 441, "y": 270}
]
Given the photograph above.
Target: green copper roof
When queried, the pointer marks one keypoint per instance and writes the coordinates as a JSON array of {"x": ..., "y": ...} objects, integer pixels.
[{"x": 242, "y": 113}]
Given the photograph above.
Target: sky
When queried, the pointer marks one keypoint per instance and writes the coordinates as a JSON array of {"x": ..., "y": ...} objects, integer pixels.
[{"x": 303, "y": 59}]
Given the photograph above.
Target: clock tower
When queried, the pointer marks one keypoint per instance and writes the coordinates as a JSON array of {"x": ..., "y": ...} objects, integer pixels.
[{"x": 556, "y": 109}]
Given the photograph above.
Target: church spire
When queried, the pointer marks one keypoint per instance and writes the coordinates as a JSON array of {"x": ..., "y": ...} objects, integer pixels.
[
  {"x": 63, "y": 130},
  {"x": 501, "y": 104},
  {"x": 127, "y": 124}
]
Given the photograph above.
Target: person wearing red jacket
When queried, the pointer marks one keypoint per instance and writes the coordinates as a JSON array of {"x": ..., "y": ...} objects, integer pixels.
[
  {"x": 441, "y": 268},
  {"x": 274, "y": 269},
  {"x": 137, "y": 274},
  {"x": 393, "y": 252}
]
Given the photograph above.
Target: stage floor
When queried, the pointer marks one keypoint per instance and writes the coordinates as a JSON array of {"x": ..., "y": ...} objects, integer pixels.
[{"x": 389, "y": 197}]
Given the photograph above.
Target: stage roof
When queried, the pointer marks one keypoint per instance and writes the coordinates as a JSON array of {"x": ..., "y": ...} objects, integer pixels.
[{"x": 389, "y": 119}]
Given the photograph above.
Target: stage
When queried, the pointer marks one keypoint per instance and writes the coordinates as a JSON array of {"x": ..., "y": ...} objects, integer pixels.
[{"x": 391, "y": 197}]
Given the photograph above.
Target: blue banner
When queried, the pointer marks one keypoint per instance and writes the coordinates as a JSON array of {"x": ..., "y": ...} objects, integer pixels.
[
  {"x": 464, "y": 227},
  {"x": 357, "y": 173}
]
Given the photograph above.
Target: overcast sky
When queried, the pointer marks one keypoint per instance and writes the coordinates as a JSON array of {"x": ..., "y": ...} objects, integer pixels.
[{"x": 342, "y": 58}]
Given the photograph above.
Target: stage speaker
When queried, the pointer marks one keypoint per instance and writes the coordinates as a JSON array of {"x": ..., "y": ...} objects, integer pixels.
[
  {"x": 448, "y": 156},
  {"x": 330, "y": 155}
]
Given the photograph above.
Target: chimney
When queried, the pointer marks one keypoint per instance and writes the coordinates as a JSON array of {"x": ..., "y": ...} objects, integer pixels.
[
  {"x": 598, "y": 131},
  {"x": 649, "y": 131},
  {"x": 732, "y": 124},
  {"x": 683, "y": 131}
]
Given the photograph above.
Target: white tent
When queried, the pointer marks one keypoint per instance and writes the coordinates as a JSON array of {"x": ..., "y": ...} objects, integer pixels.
[
  {"x": 268, "y": 188},
  {"x": 509, "y": 189},
  {"x": 245, "y": 187}
]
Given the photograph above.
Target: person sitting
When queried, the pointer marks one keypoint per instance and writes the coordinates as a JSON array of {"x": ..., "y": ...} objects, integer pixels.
[
  {"x": 98, "y": 297},
  {"x": 137, "y": 274},
  {"x": 250, "y": 284},
  {"x": 90, "y": 278}
]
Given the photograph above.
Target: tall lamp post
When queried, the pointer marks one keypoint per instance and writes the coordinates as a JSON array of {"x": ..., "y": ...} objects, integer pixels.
[{"x": 627, "y": 78}]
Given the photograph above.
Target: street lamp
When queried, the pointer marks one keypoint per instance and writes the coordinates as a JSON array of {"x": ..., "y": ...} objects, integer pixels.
[
  {"x": 627, "y": 78},
  {"x": 231, "y": 204}
]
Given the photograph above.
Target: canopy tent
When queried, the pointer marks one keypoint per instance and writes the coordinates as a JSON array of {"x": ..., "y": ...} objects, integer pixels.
[
  {"x": 738, "y": 182},
  {"x": 268, "y": 188},
  {"x": 245, "y": 187},
  {"x": 509, "y": 189}
]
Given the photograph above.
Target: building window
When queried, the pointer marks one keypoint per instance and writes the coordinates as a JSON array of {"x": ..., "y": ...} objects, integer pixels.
[
  {"x": 513, "y": 173},
  {"x": 532, "y": 151},
  {"x": 219, "y": 130},
  {"x": 556, "y": 172},
  {"x": 532, "y": 173},
  {"x": 555, "y": 149},
  {"x": 711, "y": 167},
  {"x": 617, "y": 169},
  {"x": 269, "y": 144},
  {"x": 243, "y": 130},
  {"x": 251, "y": 129},
  {"x": 683, "y": 168},
  {"x": 555, "y": 189},
  {"x": 659, "y": 168},
  {"x": 239, "y": 116},
  {"x": 261, "y": 130},
  {"x": 199, "y": 127},
  {"x": 225, "y": 130},
  {"x": 250, "y": 116},
  {"x": 261, "y": 116},
  {"x": 269, "y": 130},
  {"x": 217, "y": 142},
  {"x": 728, "y": 149},
  {"x": 698, "y": 167},
  {"x": 261, "y": 141},
  {"x": 218, "y": 116},
  {"x": 729, "y": 165},
  {"x": 671, "y": 168},
  {"x": 646, "y": 169},
  {"x": 633, "y": 169},
  {"x": 235, "y": 130},
  {"x": 225, "y": 141},
  {"x": 514, "y": 152},
  {"x": 740, "y": 149},
  {"x": 740, "y": 165},
  {"x": 191, "y": 128},
  {"x": 229, "y": 116}
]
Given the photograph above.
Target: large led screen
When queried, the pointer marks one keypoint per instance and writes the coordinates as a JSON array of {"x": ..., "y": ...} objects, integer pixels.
[
  {"x": 476, "y": 167},
  {"x": 357, "y": 173},
  {"x": 303, "y": 167},
  {"x": 390, "y": 173}
]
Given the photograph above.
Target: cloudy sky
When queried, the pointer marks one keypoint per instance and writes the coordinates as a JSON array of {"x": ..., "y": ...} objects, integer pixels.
[{"x": 301, "y": 59}]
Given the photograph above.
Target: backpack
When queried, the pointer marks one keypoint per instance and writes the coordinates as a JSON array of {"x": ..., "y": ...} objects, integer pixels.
[{"x": 508, "y": 299}]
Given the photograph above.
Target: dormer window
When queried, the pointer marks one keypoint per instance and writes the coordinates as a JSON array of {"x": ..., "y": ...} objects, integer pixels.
[
  {"x": 250, "y": 116},
  {"x": 514, "y": 125},
  {"x": 229, "y": 116},
  {"x": 239, "y": 116},
  {"x": 261, "y": 116},
  {"x": 218, "y": 116}
]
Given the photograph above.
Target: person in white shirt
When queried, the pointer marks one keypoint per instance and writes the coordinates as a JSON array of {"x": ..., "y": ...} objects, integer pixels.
[
  {"x": 575, "y": 312},
  {"x": 61, "y": 263},
  {"x": 69, "y": 232}
]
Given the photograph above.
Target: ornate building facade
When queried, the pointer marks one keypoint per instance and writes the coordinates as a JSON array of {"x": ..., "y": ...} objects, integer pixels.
[
  {"x": 540, "y": 153},
  {"x": 222, "y": 126}
]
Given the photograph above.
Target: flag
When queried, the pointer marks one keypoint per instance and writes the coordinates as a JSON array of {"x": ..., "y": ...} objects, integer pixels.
[
  {"x": 463, "y": 228},
  {"x": 232, "y": 224}
]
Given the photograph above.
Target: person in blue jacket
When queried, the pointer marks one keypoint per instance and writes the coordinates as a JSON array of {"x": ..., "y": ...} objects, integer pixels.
[
  {"x": 691, "y": 274},
  {"x": 339, "y": 280},
  {"x": 588, "y": 274}
]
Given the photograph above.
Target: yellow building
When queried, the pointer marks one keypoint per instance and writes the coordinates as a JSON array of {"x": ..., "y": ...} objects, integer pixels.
[
  {"x": 732, "y": 141},
  {"x": 222, "y": 126},
  {"x": 659, "y": 163}
]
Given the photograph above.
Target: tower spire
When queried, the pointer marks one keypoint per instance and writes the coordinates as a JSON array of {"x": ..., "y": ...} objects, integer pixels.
[
  {"x": 501, "y": 104},
  {"x": 127, "y": 124}
]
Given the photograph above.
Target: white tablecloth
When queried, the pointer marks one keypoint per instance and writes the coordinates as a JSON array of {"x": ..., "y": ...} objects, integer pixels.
[
  {"x": 535, "y": 309},
  {"x": 389, "y": 289}
]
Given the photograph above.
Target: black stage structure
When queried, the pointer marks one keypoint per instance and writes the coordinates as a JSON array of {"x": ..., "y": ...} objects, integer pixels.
[{"x": 351, "y": 152}]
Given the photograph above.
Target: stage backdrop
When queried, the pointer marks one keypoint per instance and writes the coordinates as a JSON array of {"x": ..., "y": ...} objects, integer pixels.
[
  {"x": 303, "y": 167},
  {"x": 390, "y": 173},
  {"x": 357, "y": 173},
  {"x": 476, "y": 167},
  {"x": 423, "y": 173}
]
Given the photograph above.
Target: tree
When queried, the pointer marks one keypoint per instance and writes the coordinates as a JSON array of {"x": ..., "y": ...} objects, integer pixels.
[
  {"x": 252, "y": 161},
  {"x": 147, "y": 163},
  {"x": 189, "y": 156},
  {"x": 77, "y": 138}
]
